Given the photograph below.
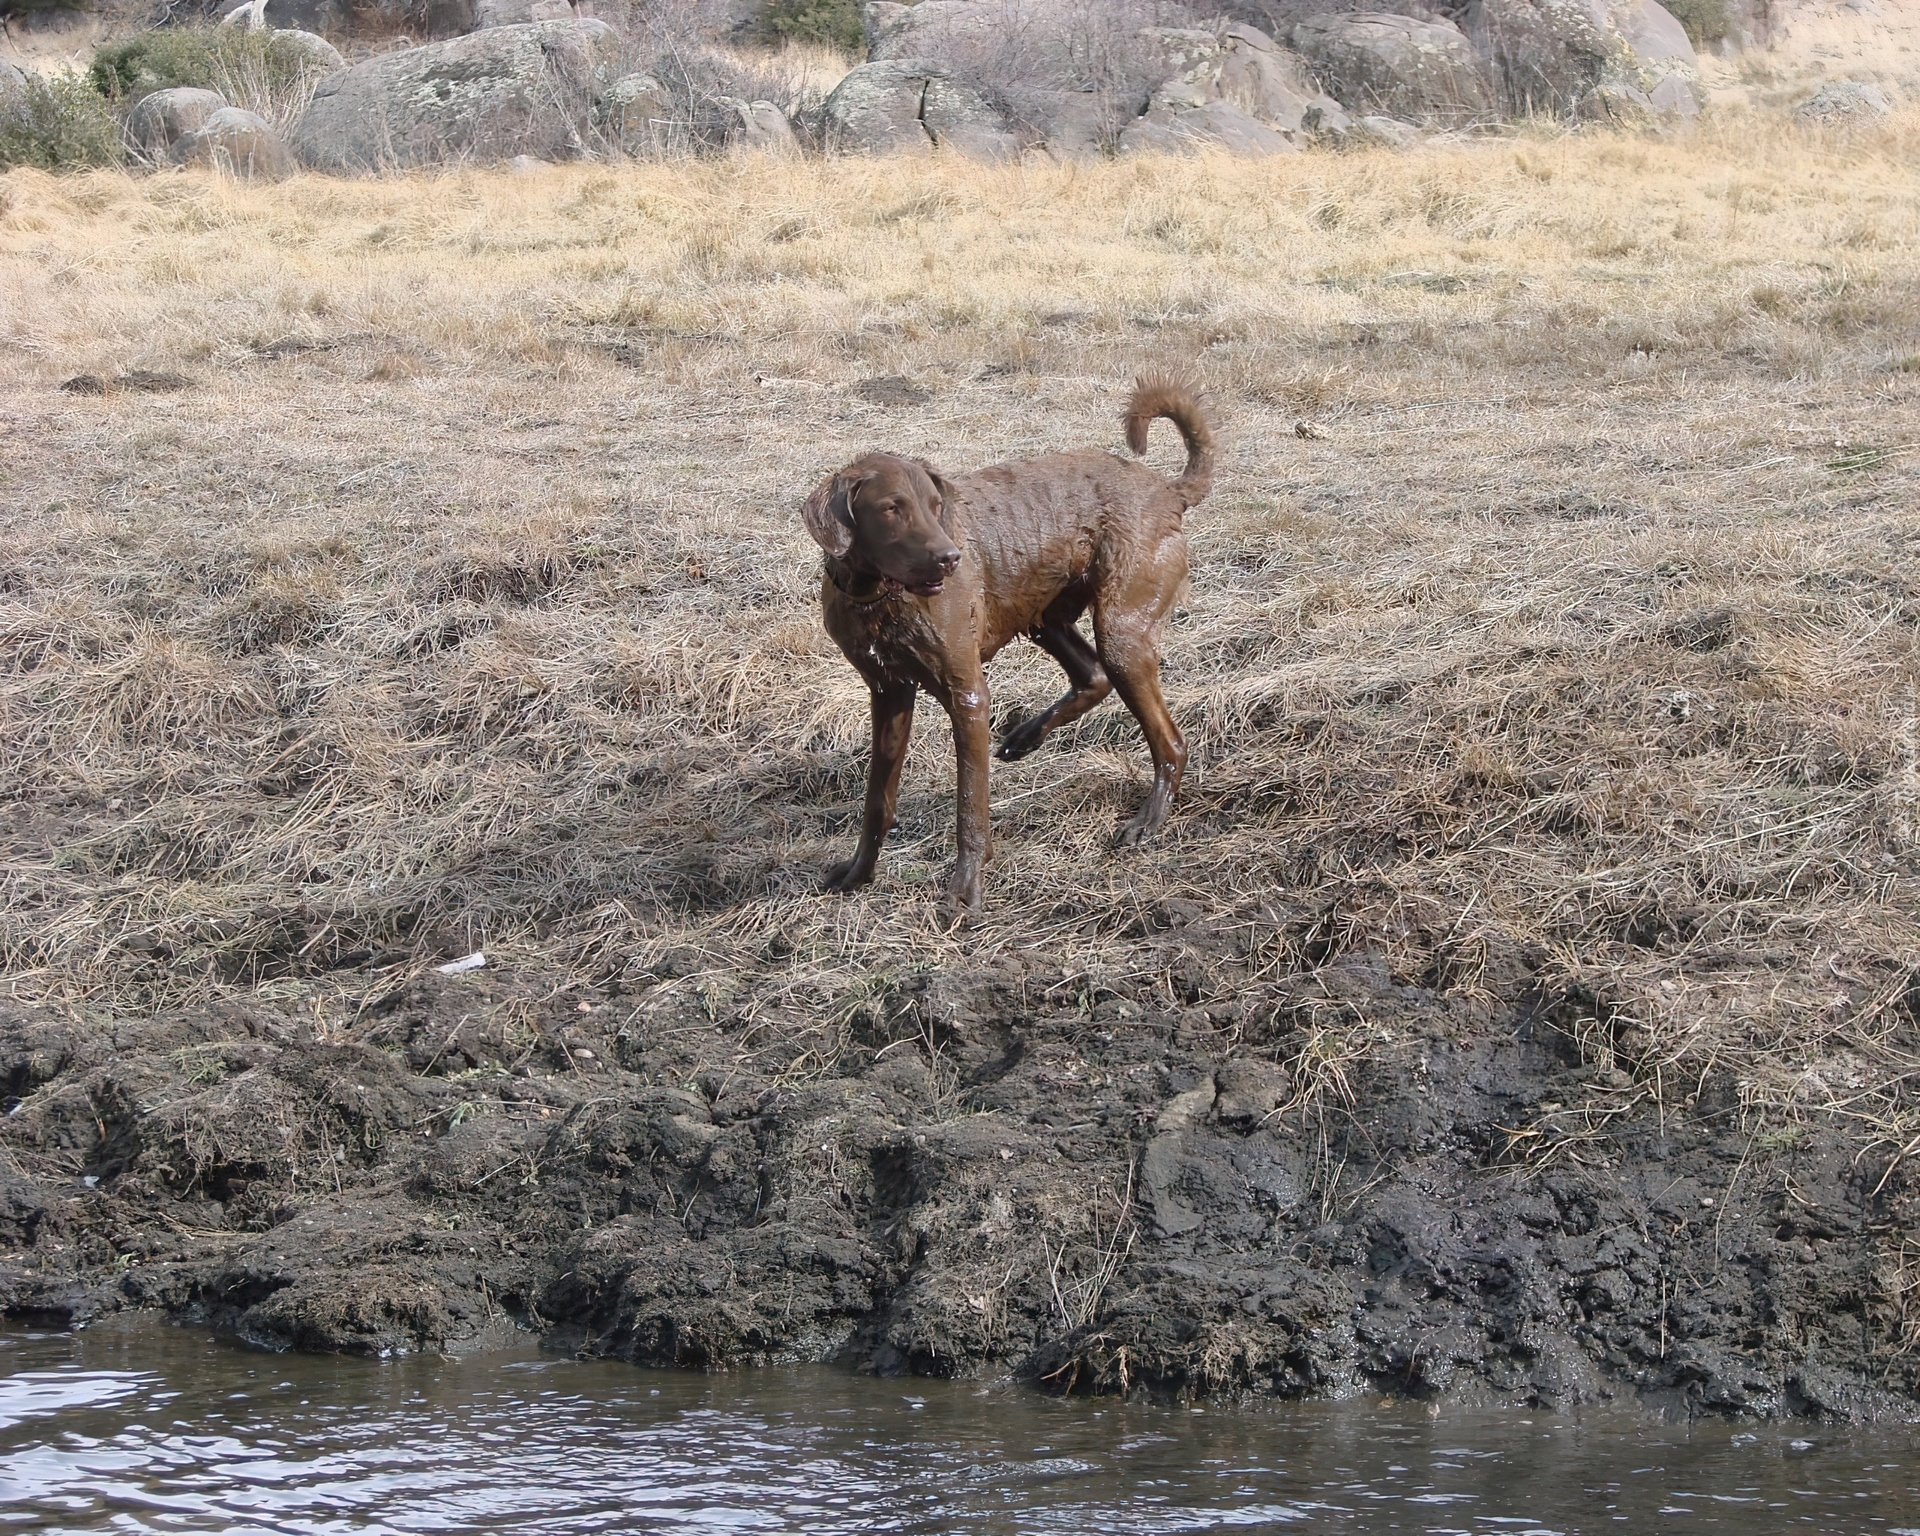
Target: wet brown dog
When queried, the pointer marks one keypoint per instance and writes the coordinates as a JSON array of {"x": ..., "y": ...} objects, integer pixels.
[{"x": 927, "y": 577}]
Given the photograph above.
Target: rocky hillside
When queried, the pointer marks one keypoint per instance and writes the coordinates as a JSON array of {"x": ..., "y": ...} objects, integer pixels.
[{"x": 461, "y": 81}]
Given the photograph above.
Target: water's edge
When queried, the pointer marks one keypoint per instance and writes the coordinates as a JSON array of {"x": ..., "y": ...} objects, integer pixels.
[{"x": 134, "y": 1424}]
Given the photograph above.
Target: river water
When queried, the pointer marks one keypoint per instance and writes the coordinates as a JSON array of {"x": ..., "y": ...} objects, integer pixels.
[{"x": 140, "y": 1425}]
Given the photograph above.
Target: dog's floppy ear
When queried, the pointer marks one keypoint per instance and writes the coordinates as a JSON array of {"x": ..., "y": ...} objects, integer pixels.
[{"x": 829, "y": 513}]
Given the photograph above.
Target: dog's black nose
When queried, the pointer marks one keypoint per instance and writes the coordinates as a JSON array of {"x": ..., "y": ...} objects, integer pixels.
[{"x": 950, "y": 562}]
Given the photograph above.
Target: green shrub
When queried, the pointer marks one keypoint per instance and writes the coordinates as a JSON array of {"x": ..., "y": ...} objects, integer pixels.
[
  {"x": 833, "y": 22},
  {"x": 58, "y": 124},
  {"x": 265, "y": 72},
  {"x": 1706, "y": 21}
]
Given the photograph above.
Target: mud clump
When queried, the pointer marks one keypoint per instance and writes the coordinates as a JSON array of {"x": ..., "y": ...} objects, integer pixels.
[{"x": 998, "y": 1172}]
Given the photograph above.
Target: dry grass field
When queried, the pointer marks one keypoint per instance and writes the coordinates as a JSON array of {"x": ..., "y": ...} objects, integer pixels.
[{"x": 1551, "y": 640}]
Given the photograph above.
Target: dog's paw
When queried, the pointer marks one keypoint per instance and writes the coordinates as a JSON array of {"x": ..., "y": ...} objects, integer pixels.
[
  {"x": 1140, "y": 830},
  {"x": 846, "y": 876},
  {"x": 964, "y": 892},
  {"x": 1019, "y": 741}
]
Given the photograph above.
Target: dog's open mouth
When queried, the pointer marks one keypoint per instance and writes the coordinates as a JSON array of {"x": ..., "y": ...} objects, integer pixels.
[{"x": 893, "y": 586}]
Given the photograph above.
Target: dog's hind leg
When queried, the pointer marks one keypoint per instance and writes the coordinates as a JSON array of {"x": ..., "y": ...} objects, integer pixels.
[
  {"x": 1126, "y": 630},
  {"x": 1088, "y": 678},
  {"x": 892, "y": 730}
]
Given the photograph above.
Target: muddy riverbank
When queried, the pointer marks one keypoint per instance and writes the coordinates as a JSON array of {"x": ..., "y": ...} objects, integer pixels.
[{"x": 1004, "y": 1172}]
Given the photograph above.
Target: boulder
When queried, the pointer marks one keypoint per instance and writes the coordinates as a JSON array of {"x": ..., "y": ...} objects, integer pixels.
[
  {"x": 317, "y": 16},
  {"x": 907, "y": 106},
  {"x": 876, "y": 108},
  {"x": 13, "y": 95},
  {"x": 1653, "y": 35},
  {"x": 517, "y": 13},
  {"x": 1214, "y": 125},
  {"x": 637, "y": 113},
  {"x": 876, "y": 18},
  {"x": 236, "y": 141},
  {"x": 1325, "y": 119},
  {"x": 1378, "y": 130},
  {"x": 490, "y": 95},
  {"x": 939, "y": 29},
  {"x": 1548, "y": 54},
  {"x": 13, "y": 88},
  {"x": 159, "y": 119},
  {"x": 1231, "y": 88},
  {"x": 319, "y": 54},
  {"x": 1030, "y": 58},
  {"x": 960, "y": 119},
  {"x": 1070, "y": 125},
  {"x": 1378, "y": 62},
  {"x": 1672, "y": 96},
  {"x": 1847, "y": 98},
  {"x": 1238, "y": 65},
  {"x": 760, "y": 126},
  {"x": 1620, "y": 105},
  {"x": 1615, "y": 105},
  {"x": 449, "y": 18}
]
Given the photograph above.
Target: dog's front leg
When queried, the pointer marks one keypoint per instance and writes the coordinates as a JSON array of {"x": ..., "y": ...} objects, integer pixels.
[
  {"x": 892, "y": 730},
  {"x": 972, "y": 746}
]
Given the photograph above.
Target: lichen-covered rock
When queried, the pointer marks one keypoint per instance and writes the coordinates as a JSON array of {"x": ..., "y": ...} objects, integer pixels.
[
  {"x": 1672, "y": 96},
  {"x": 313, "y": 16},
  {"x": 1548, "y": 54},
  {"x": 876, "y": 108},
  {"x": 1376, "y": 62},
  {"x": 876, "y": 18},
  {"x": 1063, "y": 79},
  {"x": 1380, "y": 131},
  {"x": 236, "y": 140},
  {"x": 13, "y": 91},
  {"x": 937, "y": 28},
  {"x": 1214, "y": 125},
  {"x": 636, "y": 113},
  {"x": 961, "y": 119},
  {"x": 490, "y": 95},
  {"x": 320, "y": 55},
  {"x": 1847, "y": 98},
  {"x": 516, "y": 13},
  {"x": 908, "y": 106},
  {"x": 1615, "y": 105},
  {"x": 760, "y": 126},
  {"x": 1237, "y": 65},
  {"x": 158, "y": 119}
]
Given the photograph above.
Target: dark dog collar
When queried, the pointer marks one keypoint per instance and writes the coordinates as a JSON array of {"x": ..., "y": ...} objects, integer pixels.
[{"x": 845, "y": 584}]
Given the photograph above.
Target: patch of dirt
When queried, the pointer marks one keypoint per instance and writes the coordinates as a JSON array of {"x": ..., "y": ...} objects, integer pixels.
[
  {"x": 893, "y": 389},
  {"x": 144, "y": 381}
]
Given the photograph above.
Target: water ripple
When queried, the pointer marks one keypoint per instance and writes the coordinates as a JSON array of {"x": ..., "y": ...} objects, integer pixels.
[{"x": 141, "y": 1427}]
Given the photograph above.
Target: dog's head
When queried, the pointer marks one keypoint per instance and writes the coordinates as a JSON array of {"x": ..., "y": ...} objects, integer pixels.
[{"x": 882, "y": 514}]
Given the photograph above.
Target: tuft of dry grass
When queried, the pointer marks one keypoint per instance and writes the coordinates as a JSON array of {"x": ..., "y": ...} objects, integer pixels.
[{"x": 1551, "y": 634}]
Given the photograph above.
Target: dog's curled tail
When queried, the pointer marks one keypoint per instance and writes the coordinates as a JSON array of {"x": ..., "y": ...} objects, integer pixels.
[{"x": 1156, "y": 394}]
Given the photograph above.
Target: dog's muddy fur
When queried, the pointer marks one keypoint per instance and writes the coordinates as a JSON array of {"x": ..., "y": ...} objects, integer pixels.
[{"x": 926, "y": 578}]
